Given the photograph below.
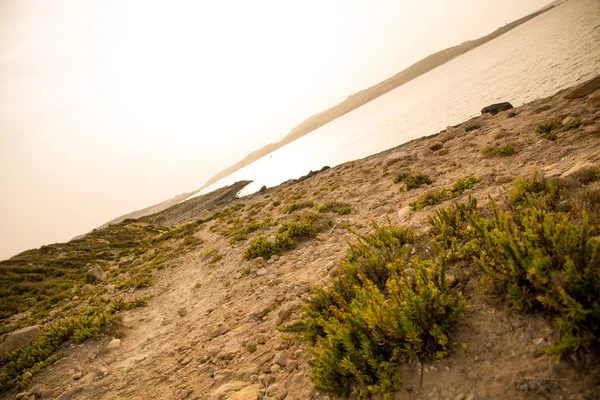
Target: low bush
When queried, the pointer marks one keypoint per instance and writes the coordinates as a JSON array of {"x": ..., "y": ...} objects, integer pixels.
[
  {"x": 545, "y": 129},
  {"x": 297, "y": 206},
  {"x": 537, "y": 191},
  {"x": 572, "y": 125},
  {"x": 376, "y": 316},
  {"x": 430, "y": 198},
  {"x": 336, "y": 207},
  {"x": 416, "y": 180},
  {"x": 505, "y": 150}
]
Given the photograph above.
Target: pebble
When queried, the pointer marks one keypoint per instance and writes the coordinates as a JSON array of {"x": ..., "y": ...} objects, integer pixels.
[
  {"x": 76, "y": 376},
  {"x": 114, "y": 344},
  {"x": 262, "y": 271},
  {"x": 27, "y": 375}
]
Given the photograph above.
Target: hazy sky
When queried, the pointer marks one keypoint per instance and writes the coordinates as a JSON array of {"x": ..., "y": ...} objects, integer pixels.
[{"x": 107, "y": 107}]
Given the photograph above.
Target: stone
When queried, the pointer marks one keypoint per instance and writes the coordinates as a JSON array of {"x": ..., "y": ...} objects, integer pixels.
[
  {"x": 451, "y": 279},
  {"x": 97, "y": 273},
  {"x": 262, "y": 272},
  {"x": 404, "y": 213},
  {"x": 594, "y": 99},
  {"x": 275, "y": 257},
  {"x": 583, "y": 89},
  {"x": 496, "y": 108},
  {"x": 184, "y": 394},
  {"x": 291, "y": 365},
  {"x": 578, "y": 167},
  {"x": 251, "y": 347},
  {"x": 18, "y": 339},
  {"x": 21, "y": 395},
  {"x": 460, "y": 396},
  {"x": 247, "y": 393},
  {"x": 282, "y": 357},
  {"x": 27, "y": 375},
  {"x": 568, "y": 120},
  {"x": 258, "y": 261},
  {"x": 76, "y": 376},
  {"x": 275, "y": 368},
  {"x": 272, "y": 239},
  {"x": 221, "y": 330},
  {"x": 224, "y": 391},
  {"x": 114, "y": 344},
  {"x": 261, "y": 339},
  {"x": 395, "y": 158},
  {"x": 182, "y": 312},
  {"x": 137, "y": 262},
  {"x": 86, "y": 289}
]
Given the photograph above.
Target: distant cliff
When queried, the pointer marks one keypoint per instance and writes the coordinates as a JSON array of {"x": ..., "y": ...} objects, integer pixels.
[{"x": 364, "y": 96}]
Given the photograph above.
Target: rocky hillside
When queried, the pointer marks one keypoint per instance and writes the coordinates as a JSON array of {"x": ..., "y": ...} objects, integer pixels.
[{"x": 191, "y": 303}]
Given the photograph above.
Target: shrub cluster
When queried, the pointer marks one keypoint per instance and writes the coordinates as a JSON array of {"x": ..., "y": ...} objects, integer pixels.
[
  {"x": 376, "y": 315},
  {"x": 546, "y": 129},
  {"x": 438, "y": 196},
  {"x": 336, "y": 207},
  {"x": 505, "y": 150},
  {"x": 538, "y": 259},
  {"x": 412, "y": 180},
  {"x": 303, "y": 227}
]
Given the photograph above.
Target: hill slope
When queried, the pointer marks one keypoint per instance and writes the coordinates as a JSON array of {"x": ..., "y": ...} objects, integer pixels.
[{"x": 209, "y": 326}]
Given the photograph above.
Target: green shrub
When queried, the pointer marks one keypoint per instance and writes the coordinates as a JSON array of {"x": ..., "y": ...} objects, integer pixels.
[
  {"x": 452, "y": 233},
  {"x": 545, "y": 129},
  {"x": 536, "y": 191},
  {"x": 505, "y": 150},
  {"x": 297, "y": 206},
  {"x": 416, "y": 180},
  {"x": 540, "y": 260},
  {"x": 572, "y": 125},
  {"x": 336, "y": 207},
  {"x": 430, "y": 198},
  {"x": 376, "y": 316},
  {"x": 260, "y": 247},
  {"x": 138, "y": 282},
  {"x": 461, "y": 185}
]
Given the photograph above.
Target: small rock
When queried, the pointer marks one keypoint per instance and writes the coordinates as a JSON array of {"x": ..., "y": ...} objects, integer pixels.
[
  {"x": 182, "y": 312},
  {"x": 137, "y": 262},
  {"x": 258, "y": 261},
  {"x": 403, "y": 213},
  {"x": 282, "y": 357},
  {"x": 184, "y": 394},
  {"x": 262, "y": 271},
  {"x": 27, "y": 375},
  {"x": 291, "y": 365},
  {"x": 76, "y": 376},
  {"x": 568, "y": 120},
  {"x": 114, "y": 344},
  {"x": 21, "y": 395},
  {"x": 186, "y": 361},
  {"x": 472, "y": 376},
  {"x": 251, "y": 347},
  {"x": 261, "y": 339},
  {"x": 275, "y": 257},
  {"x": 86, "y": 289},
  {"x": 218, "y": 331},
  {"x": 97, "y": 273},
  {"x": 460, "y": 396},
  {"x": 452, "y": 280},
  {"x": 275, "y": 368}
]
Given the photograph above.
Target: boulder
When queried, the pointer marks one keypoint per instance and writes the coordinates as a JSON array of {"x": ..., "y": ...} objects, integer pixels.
[
  {"x": 86, "y": 289},
  {"x": 137, "y": 262},
  {"x": 97, "y": 273},
  {"x": 594, "y": 99},
  {"x": 19, "y": 339},
  {"x": 226, "y": 390},
  {"x": 496, "y": 108},
  {"x": 583, "y": 89},
  {"x": 578, "y": 167}
]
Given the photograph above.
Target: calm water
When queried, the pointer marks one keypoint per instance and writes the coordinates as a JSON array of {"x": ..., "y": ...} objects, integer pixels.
[{"x": 550, "y": 52}]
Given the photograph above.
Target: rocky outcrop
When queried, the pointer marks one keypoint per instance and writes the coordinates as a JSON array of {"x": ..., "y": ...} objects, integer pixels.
[
  {"x": 19, "y": 339},
  {"x": 97, "y": 273},
  {"x": 496, "y": 108},
  {"x": 594, "y": 99},
  {"x": 583, "y": 89}
]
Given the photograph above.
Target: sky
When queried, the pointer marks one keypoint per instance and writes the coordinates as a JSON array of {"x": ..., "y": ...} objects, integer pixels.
[{"x": 110, "y": 106}]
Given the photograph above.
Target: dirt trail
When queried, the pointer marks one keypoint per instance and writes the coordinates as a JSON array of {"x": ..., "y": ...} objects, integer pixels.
[{"x": 209, "y": 331}]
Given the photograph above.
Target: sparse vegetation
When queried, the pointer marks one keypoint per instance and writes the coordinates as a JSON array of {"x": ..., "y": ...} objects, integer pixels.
[
  {"x": 412, "y": 180},
  {"x": 546, "y": 129},
  {"x": 376, "y": 316},
  {"x": 572, "y": 125},
  {"x": 298, "y": 206},
  {"x": 505, "y": 150},
  {"x": 588, "y": 175},
  {"x": 137, "y": 282},
  {"x": 336, "y": 207},
  {"x": 436, "y": 146},
  {"x": 429, "y": 198}
]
